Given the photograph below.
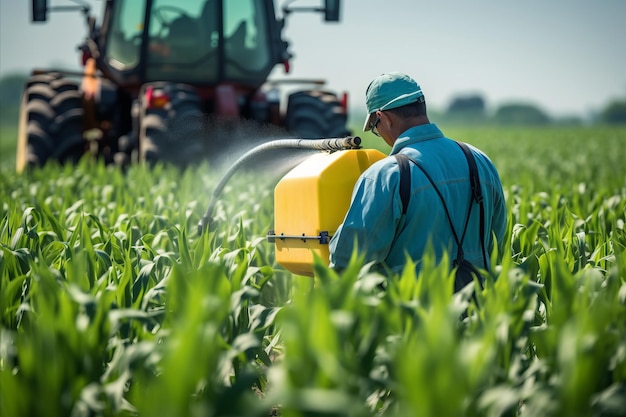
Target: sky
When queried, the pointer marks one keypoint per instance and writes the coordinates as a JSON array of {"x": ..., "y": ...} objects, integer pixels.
[{"x": 566, "y": 56}]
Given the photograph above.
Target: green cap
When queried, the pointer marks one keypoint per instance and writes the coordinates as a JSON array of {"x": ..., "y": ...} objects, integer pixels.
[{"x": 388, "y": 91}]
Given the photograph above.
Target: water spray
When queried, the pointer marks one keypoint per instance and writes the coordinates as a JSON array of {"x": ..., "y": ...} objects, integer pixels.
[{"x": 328, "y": 145}]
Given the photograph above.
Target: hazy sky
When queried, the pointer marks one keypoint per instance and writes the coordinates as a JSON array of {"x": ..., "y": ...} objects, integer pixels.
[{"x": 567, "y": 56}]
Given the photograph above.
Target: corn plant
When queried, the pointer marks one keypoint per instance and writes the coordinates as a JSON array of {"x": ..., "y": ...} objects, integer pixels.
[{"x": 111, "y": 304}]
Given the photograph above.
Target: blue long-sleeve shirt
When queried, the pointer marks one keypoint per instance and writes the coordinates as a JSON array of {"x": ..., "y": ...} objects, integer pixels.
[{"x": 384, "y": 236}]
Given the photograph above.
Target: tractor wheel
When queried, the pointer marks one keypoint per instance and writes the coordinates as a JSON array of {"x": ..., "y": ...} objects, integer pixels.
[
  {"x": 316, "y": 114},
  {"x": 68, "y": 126},
  {"x": 173, "y": 134},
  {"x": 50, "y": 122}
]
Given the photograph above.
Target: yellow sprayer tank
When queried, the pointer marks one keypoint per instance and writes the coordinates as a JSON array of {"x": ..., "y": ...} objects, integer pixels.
[{"x": 311, "y": 201}]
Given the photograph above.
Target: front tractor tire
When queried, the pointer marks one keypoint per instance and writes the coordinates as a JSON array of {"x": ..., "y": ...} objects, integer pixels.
[
  {"x": 50, "y": 122},
  {"x": 175, "y": 133},
  {"x": 315, "y": 114}
]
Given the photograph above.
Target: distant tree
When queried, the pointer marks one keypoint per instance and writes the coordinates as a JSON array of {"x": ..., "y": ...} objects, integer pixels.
[
  {"x": 614, "y": 112},
  {"x": 474, "y": 104},
  {"x": 521, "y": 114},
  {"x": 11, "y": 87},
  {"x": 466, "y": 109}
]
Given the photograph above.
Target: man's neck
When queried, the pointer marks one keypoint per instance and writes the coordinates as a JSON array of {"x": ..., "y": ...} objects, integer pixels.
[{"x": 409, "y": 123}]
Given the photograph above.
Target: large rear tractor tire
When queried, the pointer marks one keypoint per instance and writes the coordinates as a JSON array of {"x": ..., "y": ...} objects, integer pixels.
[
  {"x": 50, "y": 122},
  {"x": 175, "y": 133},
  {"x": 316, "y": 114}
]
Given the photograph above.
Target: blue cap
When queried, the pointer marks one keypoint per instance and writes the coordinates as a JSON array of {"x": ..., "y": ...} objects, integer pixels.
[{"x": 388, "y": 91}]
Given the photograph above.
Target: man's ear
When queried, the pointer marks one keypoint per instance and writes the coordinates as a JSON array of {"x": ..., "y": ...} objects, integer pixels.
[{"x": 385, "y": 117}]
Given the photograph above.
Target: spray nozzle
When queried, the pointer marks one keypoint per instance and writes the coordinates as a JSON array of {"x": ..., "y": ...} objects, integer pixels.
[{"x": 340, "y": 144}]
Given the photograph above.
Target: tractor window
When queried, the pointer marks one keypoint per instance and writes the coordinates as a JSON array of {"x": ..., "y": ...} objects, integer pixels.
[
  {"x": 183, "y": 40},
  {"x": 246, "y": 37},
  {"x": 124, "y": 36}
]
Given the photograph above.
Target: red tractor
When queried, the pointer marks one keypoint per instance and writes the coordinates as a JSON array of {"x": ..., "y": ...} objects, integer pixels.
[{"x": 171, "y": 81}]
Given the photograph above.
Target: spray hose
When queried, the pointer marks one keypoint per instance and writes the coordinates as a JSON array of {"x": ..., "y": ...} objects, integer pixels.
[{"x": 329, "y": 145}]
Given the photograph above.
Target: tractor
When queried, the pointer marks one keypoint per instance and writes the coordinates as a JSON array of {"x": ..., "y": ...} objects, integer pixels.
[{"x": 170, "y": 81}]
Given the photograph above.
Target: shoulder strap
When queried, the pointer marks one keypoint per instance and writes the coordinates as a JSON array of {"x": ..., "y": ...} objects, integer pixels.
[
  {"x": 405, "y": 180},
  {"x": 477, "y": 194}
]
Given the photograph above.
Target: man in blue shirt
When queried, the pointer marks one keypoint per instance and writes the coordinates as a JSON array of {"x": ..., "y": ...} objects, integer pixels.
[{"x": 375, "y": 222}]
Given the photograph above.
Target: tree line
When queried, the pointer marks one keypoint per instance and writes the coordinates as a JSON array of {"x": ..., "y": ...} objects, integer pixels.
[
  {"x": 468, "y": 109},
  {"x": 472, "y": 109}
]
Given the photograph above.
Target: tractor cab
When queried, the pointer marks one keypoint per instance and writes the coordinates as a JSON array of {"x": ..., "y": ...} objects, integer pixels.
[
  {"x": 198, "y": 42},
  {"x": 193, "y": 41}
]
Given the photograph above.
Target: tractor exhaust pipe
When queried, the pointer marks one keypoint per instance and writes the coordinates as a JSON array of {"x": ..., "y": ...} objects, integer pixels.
[{"x": 328, "y": 145}]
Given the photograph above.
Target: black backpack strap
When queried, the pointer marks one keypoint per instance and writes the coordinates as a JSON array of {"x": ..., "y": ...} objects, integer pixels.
[
  {"x": 477, "y": 194},
  {"x": 405, "y": 180}
]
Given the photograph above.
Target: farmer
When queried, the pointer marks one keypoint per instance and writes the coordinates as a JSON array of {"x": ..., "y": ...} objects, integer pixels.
[{"x": 375, "y": 226}]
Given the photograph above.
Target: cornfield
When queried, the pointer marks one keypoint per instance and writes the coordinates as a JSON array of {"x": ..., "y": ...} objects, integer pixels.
[{"x": 112, "y": 305}]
